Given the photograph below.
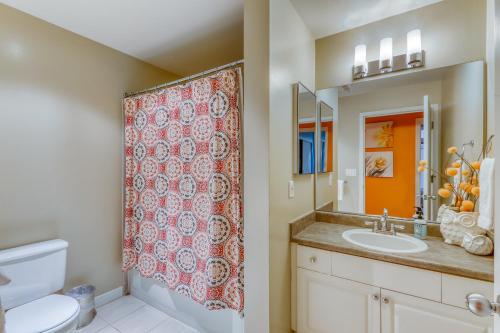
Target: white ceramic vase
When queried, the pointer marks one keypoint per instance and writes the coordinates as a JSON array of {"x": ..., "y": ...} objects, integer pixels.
[
  {"x": 480, "y": 244},
  {"x": 454, "y": 225}
]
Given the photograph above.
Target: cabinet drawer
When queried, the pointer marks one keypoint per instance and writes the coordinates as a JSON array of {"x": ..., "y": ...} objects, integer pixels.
[
  {"x": 455, "y": 289},
  {"x": 314, "y": 259},
  {"x": 408, "y": 280}
]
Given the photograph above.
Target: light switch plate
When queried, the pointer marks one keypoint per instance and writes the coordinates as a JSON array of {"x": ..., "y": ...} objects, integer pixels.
[
  {"x": 291, "y": 189},
  {"x": 351, "y": 172}
]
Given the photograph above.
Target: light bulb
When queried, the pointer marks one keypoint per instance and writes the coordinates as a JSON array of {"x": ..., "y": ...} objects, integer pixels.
[
  {"x": 360, "y": 65},
  {"x": 385, "y": 60},
  {"x": 360, "y": 55},
  {"x": 413, "y": 48}
]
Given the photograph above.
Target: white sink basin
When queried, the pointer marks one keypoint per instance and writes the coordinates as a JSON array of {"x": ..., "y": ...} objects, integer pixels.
[{"x": 386, "y": 243}]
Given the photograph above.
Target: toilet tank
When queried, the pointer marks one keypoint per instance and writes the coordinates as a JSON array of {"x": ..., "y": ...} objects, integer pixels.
[{"x": 34, "y": 270}]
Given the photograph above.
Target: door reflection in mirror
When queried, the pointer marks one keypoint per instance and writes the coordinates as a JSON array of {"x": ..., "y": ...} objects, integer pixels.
[
  {"x": 326, "y": 138},
  {"x": 304, "y": 130},
  {"x": 390, "y": 166},
  {"x": 306, "y": 150}
]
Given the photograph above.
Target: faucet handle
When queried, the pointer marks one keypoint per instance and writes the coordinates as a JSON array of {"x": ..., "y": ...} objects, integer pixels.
[
  {"x": 397, "y": 227},
  {"x": 373, "y": 224}
]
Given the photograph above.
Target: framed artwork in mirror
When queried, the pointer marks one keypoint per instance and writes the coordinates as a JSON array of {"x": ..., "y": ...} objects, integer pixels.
[
  {"x": 379, "y": 164},
  {"x": 379, "y": 135}
]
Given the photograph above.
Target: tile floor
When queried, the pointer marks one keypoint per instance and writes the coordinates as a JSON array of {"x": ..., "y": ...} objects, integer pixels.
[{"x": 131, "y": 315}]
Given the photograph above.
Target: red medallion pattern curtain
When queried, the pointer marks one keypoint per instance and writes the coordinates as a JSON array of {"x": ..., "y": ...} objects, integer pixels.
[{"x": 183, "y": 190}]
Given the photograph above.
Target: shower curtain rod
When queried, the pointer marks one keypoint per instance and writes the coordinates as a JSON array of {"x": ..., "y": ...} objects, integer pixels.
[{"x": 187, "y": 78}]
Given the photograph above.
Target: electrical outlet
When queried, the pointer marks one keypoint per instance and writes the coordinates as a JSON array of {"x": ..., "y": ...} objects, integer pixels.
[{"x": 291, "y": 189}]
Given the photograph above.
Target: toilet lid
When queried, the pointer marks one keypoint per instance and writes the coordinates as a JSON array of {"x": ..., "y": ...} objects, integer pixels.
[{"x": 41, "y": 315}]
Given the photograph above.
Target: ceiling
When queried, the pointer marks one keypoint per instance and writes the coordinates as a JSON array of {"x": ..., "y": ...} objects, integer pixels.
[
  {"x": 328, "y": 17},
  {"x": 183, "y": 37}
]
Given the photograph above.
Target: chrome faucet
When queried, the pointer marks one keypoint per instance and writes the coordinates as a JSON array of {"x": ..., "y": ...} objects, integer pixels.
[{"x": 383, "y": 225}]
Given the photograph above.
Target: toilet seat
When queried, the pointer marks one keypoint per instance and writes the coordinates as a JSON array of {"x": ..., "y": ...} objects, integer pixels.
[{"x": 53, "y": 313}]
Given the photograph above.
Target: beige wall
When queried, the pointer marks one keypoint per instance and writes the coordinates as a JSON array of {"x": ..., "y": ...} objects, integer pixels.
[
  {"x": 453, "y": 31},
  {"x": 464, "y": 108},
  {"x": 495, "y": 86},
  {"x": 256, "y": 165},
  {"x": 61, "y": 140},
  {"x": 291, "y": 60},
  {"x": 490, "y": 66}
]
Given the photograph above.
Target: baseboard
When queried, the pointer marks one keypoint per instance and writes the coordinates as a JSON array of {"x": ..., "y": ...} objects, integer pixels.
[{"x": 109, "y": 296}]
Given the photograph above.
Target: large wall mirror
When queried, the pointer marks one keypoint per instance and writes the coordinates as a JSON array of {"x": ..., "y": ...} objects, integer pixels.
[
  {"x": 304, "y": 130},
  {"x": 379, "y": 130}
]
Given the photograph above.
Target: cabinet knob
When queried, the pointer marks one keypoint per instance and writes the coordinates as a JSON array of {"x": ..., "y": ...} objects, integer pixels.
[
  {"x": 313, "y": 260},
  {"x": 481, "y": 306},
  {"x": 385, "y": 300},
  {"x": 376, "y": 297}
]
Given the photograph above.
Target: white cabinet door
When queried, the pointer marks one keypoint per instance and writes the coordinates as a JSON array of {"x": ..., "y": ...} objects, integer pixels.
[
  {"x": 407, "y": 314},
  {"x": 327, "y": 304}
]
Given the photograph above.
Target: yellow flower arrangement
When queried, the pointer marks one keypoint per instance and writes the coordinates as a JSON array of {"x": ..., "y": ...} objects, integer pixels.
[
  {"x": 460, "y": 178},
  {"x": 380, "y": 163},
  {"x": 384, "y": 136}
]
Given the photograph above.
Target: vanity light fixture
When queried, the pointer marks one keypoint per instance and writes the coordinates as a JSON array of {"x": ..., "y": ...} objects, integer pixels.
[
  {"x": 387, "y": 62},
  {"x": 360, "y": 64},
  {"x": 413, "y": 48}
]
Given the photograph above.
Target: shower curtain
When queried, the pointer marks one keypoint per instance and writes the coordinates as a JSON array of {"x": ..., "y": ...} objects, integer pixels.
[{"x": 183, "y": 192}]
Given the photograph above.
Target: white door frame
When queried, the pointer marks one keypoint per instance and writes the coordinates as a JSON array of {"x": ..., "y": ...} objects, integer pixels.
[
  {"x": 418, "y": 124},
  {"x": 435, "y": 161},
  {"x": 361, "y": 151}
]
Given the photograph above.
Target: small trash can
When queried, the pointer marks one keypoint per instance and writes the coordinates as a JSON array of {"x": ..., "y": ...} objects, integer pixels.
[{"x": 85, "y": 295}]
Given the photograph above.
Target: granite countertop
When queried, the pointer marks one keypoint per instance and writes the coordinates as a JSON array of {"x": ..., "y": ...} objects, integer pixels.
[{"x": 439, "y": 256}]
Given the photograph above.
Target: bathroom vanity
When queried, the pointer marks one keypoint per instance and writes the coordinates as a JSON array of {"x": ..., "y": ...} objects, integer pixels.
[
  {"x": 341, "y": 287},
  {"x": 369, "y": 137},
  {"x": 378, "y": 147}
]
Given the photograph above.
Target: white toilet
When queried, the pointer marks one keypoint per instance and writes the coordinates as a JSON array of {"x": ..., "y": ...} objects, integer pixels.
[{"x": 36, "y": 272}]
